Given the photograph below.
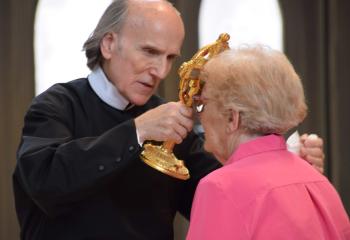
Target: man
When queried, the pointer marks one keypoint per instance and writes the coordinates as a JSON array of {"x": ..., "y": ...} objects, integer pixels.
[{"x": 79, "y": 175}]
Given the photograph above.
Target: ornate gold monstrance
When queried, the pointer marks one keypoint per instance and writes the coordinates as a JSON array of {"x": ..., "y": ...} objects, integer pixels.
[{"x": 162, "y": 157}]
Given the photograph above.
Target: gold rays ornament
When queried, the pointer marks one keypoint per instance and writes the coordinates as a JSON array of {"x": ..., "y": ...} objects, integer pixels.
[{"x": 162, "y": 157}]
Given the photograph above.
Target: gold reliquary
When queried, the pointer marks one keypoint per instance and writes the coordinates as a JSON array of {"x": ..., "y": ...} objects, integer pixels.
[{"x": 162, "y": 157}]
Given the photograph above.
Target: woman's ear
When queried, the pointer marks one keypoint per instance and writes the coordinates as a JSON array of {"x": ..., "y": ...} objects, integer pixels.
[
  {"x": 233, "y": 121},
  {"x": 107, "y": 45}
]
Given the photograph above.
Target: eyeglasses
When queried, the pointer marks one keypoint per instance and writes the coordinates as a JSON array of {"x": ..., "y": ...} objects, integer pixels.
[{"x": 198, "y": 104}]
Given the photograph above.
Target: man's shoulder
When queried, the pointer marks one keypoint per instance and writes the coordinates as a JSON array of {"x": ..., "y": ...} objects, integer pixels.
[
  {"x": 70, "y": 88},
  {"x": 76, "y": 85},
  {"x": 60, "y": 95}
]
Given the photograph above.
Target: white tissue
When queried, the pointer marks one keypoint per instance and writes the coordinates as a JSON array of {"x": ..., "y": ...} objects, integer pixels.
[{"x": 293, "y": 143}]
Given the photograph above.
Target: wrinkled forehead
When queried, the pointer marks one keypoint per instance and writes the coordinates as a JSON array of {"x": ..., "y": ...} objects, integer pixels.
[{"x": 155, "y": 24}]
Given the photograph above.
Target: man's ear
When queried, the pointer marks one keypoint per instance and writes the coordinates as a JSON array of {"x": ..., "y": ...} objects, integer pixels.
[
  {"x": 233, "y": 121},
  {"x": 107, "y": 45}
]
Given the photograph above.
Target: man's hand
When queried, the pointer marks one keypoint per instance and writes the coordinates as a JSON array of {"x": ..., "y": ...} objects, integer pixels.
[
  {"x": 312, "y": 150},
  {"x": 168, "y": 122}
]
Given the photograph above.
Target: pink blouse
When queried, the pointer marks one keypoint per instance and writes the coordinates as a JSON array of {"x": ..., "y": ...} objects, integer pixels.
[{"x": 266, "y": 192}]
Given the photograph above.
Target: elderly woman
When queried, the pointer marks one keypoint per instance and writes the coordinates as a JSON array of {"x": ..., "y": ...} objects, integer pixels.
[{"x": 251, "y": 97}]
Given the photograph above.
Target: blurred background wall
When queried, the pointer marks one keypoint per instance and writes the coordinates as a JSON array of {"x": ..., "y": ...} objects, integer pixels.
[{"x": 316, "y": 37}]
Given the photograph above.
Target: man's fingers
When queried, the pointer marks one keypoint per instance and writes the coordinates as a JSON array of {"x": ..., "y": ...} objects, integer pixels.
[
  {"x": 316, "y": 161},
  {"x": 311, "y": 140},
  {"x": 171, "y": 121},
  {"x": 320, "y": 169},
  {"x": 315, "y": 152},
  {"x": 312, "y": 151},
  {"x": 186, "y": 111},
  {"x": 186, "y": 123},
  {"x": 180, "y": 131}
]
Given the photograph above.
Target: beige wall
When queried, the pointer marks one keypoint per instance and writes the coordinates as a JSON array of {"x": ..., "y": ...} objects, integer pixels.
[{"x": 16, "y": 91}]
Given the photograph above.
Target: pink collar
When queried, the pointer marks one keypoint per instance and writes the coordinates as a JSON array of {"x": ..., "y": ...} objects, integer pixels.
[{"x": 258, "y": 145}]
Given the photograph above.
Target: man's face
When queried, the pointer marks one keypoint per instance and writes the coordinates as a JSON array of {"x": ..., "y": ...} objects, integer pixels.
[{"x": 143, "y": 52}]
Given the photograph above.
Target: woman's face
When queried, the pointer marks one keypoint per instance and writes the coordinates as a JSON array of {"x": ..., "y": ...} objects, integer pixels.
[{"x": 215, "y": 128}]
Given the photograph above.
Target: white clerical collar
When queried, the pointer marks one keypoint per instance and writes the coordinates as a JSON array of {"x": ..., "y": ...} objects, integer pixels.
[{"x": 105, "y": 90}]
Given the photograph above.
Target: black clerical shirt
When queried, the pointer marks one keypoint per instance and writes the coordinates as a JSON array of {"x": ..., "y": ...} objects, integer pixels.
[{"x": 79, "y": 175}]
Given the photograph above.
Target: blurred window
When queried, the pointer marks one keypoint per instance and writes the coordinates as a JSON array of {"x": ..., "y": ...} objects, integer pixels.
[
  {"x": 61, "y": 28},
  {"x": 247, "y": 22}
]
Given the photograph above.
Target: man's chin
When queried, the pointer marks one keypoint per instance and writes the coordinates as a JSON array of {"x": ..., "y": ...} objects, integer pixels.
[{"x": 140, "y": 100}]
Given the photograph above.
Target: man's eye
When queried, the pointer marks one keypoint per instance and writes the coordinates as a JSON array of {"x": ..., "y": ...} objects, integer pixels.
[
  {"x": 151, "y": 51},
  {"x": 172, "y": 57}
]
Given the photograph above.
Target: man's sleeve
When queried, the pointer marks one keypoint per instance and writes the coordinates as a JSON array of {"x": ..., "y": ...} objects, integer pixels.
[{"x": 55, "y": 169}]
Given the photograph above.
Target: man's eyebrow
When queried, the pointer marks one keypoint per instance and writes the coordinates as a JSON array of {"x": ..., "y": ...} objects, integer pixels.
[
  {"x": 156, "y": 49},
  {"x": 175, "y": 55}
]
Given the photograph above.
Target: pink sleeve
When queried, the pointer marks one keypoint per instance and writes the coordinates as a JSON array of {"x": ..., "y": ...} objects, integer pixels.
[{"x": 214, "y": 215}]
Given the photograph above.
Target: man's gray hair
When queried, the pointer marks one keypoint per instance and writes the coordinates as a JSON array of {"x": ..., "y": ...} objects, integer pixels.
[{"x": 112, "y": 20}]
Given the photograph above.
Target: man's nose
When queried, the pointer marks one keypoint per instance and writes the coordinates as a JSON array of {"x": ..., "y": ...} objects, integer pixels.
[{"x": 161, "y": 68}]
